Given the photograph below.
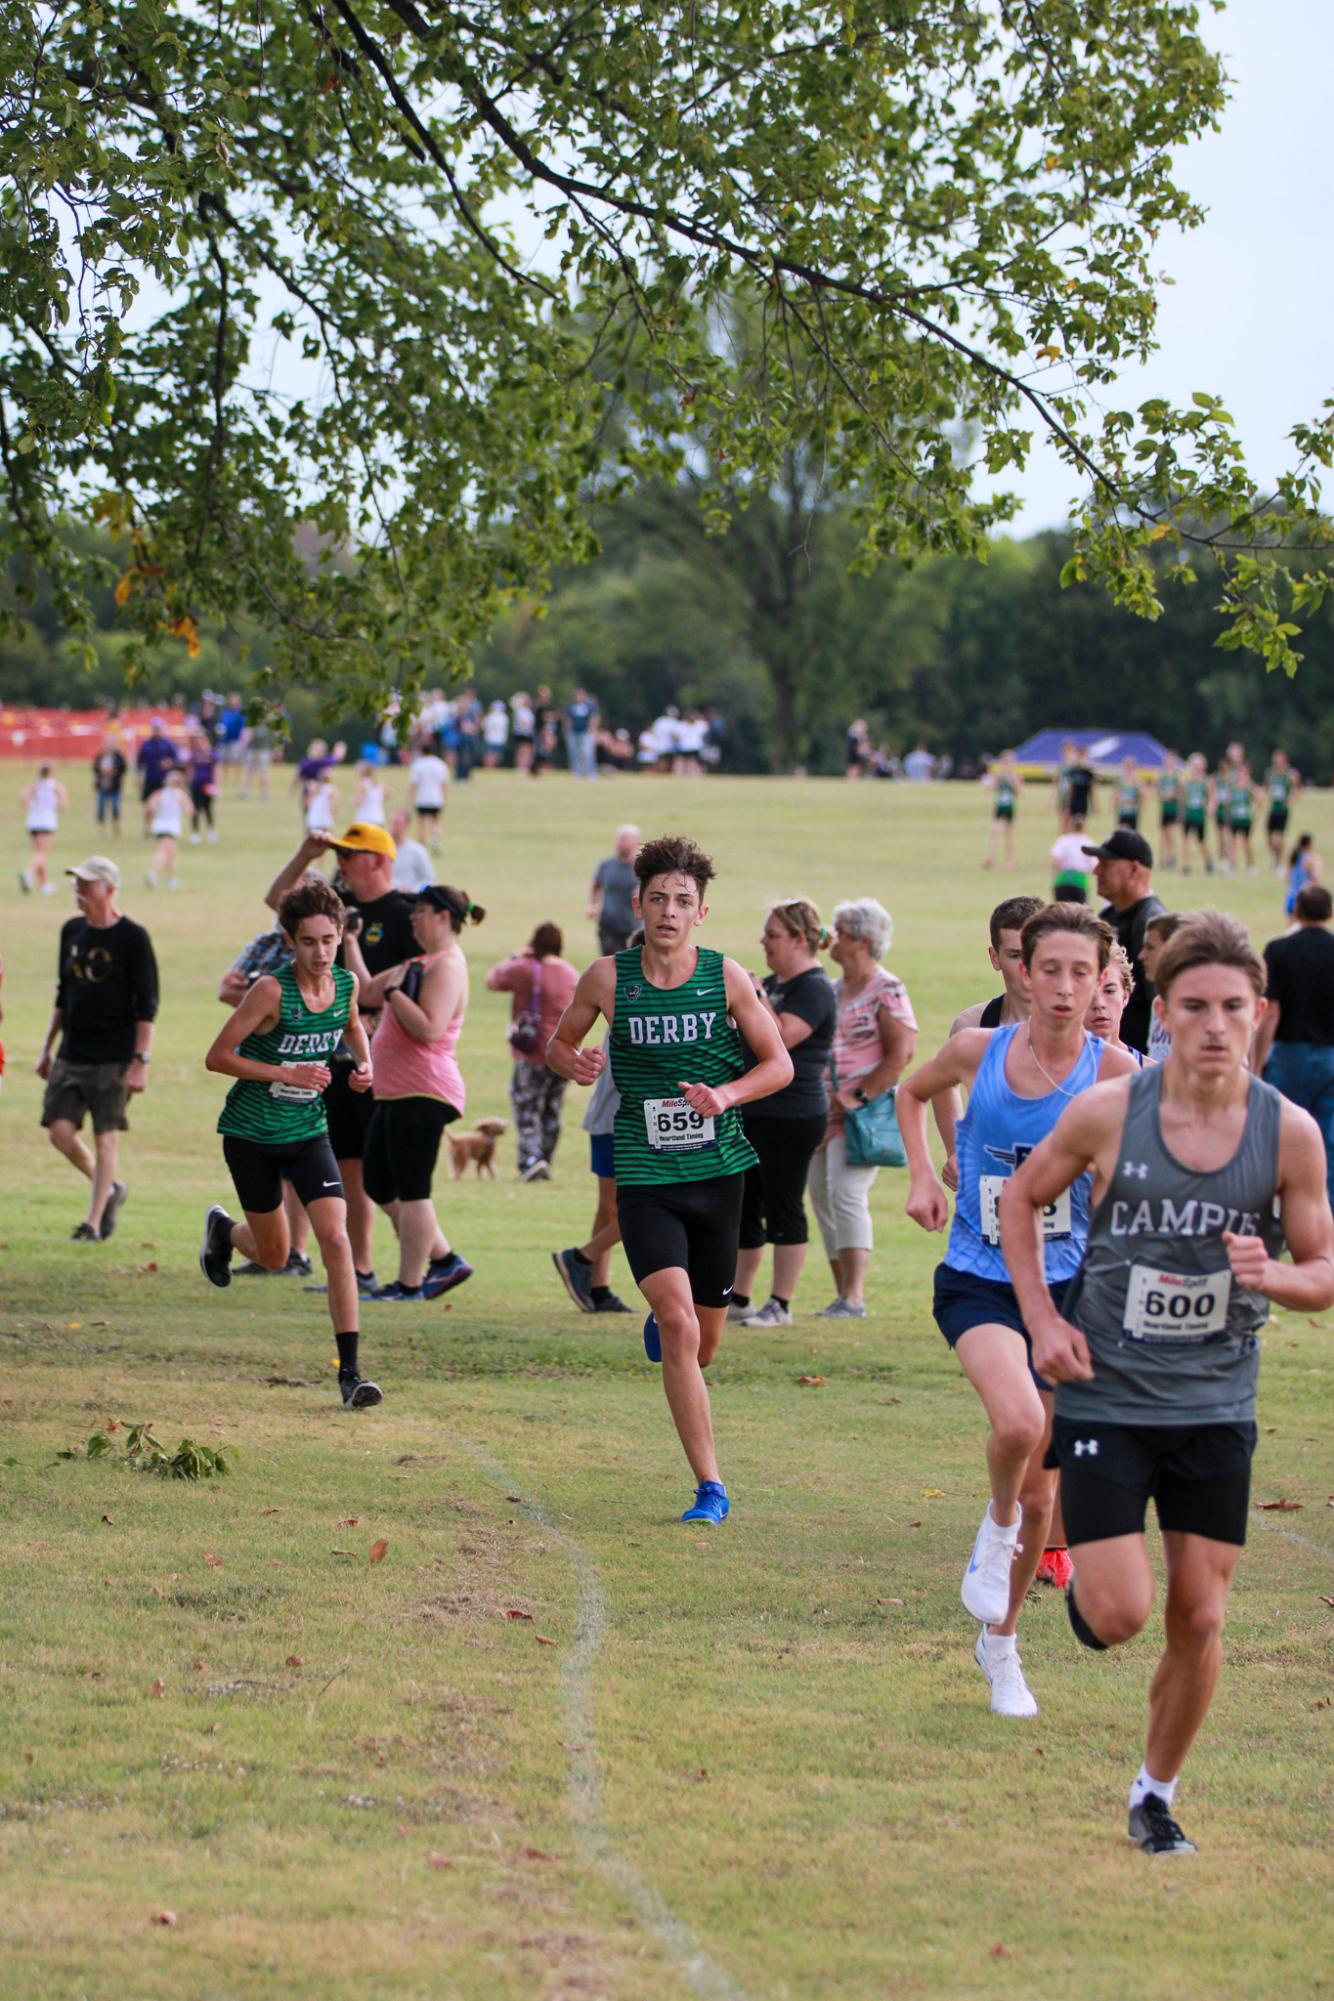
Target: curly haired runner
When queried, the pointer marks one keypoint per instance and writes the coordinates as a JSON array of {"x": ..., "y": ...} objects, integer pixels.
[
  {"x": 680, "y": 1151},
  {"x": 279, "y": 1045}
]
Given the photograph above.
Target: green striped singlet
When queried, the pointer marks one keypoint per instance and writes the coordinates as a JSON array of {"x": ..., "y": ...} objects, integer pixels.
[
  {"x": 658, "y": 1036},
  {"x": 277, "y": 1114}
]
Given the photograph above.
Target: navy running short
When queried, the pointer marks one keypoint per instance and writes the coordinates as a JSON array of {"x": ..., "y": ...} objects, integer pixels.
[
  {"x": 962, "y": 1301},
  {"x": 602, "y": 1156}
]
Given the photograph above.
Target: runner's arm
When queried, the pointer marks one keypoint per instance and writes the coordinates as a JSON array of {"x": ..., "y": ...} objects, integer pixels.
[
  {"x": 257, "y": 1012},
  {"x": 773, "y": 1067},
  {"x": 357, "y": 1040},
  {"x": 1060, "y": 1352},
  {"x": 594, "y": 995},
  {"x": 291, "y": 872},
  {"x": 1307, "y": 1284},
  {"x": 953, "y": 1065}
]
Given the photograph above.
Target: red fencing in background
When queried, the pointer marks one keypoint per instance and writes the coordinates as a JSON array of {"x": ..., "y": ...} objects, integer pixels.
[{"x": 38, "y": 733}]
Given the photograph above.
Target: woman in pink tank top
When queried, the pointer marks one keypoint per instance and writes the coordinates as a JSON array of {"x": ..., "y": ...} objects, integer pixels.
[{"x": 419, "y": 1087}]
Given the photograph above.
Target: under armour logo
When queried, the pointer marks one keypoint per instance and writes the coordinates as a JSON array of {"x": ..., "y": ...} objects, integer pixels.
[
  {"x": 1083, "y": 1445},
  {"x": 1138, "y": 1170}
]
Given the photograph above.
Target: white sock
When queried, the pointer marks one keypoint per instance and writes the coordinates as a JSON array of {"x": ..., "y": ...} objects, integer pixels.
[
  {"x": 1011, "y": 1529},
  {"x": 998, "y": 1643},
  {"x": 1146, "y": 1783}
]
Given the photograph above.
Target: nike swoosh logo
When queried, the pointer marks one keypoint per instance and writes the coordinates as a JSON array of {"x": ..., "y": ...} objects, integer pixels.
[
  {"x": 971, "y": 1566},
  {"x": 331, "y": 1184}
]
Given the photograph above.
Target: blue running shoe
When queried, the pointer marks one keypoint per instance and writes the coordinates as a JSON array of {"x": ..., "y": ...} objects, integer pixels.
[
  {"x": 396, "y": 1294},
  {"x": 652, "y": 1339},
  {"x": 711, "y": 1503},
  {"x": 443, "y": 1274}
]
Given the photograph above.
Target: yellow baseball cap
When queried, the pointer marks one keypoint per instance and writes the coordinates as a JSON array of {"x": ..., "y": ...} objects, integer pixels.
[{"x": 363, "y": 838}]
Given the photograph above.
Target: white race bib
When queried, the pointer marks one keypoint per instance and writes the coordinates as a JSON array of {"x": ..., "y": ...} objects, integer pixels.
[
  {"x": 292, "y": 1094},
  {"x": 1055, "y": 1217},
  {"x": 675, "y": 1127},
  {"x": 1171, "y": 1306}
]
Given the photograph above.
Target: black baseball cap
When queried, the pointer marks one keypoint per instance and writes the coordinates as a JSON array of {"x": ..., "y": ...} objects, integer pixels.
[
  {"x": 1123, "y": 845},
  {"x": 438, "y": 897}
]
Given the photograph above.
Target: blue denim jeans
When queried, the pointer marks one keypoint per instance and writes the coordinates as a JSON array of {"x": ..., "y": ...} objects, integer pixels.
[{"x": 1304, "y": 1072}]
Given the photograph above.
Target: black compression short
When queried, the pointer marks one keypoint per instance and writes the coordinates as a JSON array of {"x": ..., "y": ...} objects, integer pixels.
[
  {"x": 773, "y": 1208},
  {"x": 693, "y": 1224},
  {"x": 349, "y": 1114},
  {"x": 1198, "y": 1477},
  {"x": 258, "y": 1172},
  {"x": 401, "y": 1148}
]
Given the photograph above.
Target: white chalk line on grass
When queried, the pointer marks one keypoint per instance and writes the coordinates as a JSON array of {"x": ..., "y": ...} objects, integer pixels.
[
  {"x": 1295, "y": 1535},
  {"x": 584, "y": 1771}
]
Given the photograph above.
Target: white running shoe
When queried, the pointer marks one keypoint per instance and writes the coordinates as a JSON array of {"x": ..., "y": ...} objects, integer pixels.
[
  {"x": 1010, "y": 1693},
  {"x": 771, "y": 1314},
  {"x": 739, "y": 1315},
  {"x": 986, "y": 1582}
]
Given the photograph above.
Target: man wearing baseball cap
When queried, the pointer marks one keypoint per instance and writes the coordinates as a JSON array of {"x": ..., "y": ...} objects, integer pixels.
[
  {"x": 383, "y": 916},
  {"x": 1124, "y": 863},
  {"x": 105, "y": 1006}
]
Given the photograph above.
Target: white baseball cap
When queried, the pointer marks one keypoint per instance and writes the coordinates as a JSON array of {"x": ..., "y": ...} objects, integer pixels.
[{"x": 97, "y": 868}]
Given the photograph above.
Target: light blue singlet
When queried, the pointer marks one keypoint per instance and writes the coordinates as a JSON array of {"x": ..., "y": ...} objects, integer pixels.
[{"x": 998, "y": 1131}]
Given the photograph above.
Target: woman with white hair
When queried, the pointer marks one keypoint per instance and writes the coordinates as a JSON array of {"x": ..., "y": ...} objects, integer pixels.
[{"x": 875, "y": 1034}]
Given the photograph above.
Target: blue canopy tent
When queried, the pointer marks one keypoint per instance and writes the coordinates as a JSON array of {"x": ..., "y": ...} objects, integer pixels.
[{"x": 1041, "y": 757}]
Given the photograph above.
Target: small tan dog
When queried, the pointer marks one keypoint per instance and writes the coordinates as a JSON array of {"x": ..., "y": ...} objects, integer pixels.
[{"x": 477, "y": 1143}]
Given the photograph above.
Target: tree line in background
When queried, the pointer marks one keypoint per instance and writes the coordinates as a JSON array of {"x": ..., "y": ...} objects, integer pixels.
[{"x": 771, "y": 621}]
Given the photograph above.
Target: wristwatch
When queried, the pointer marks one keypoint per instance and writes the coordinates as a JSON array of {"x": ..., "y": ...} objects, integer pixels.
[
  {"x": 140, "y": 1056},
  {"x": 860, "y": 1095}
]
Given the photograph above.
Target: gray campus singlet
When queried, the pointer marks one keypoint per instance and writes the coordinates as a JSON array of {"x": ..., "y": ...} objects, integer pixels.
[{"x": 1171, "y": 1335}]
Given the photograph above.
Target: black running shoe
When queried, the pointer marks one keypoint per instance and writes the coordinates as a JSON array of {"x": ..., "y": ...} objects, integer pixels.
[
  {"x": 610, "y": 1303},
  {"x": 443, "y": 1274},
  {"x": 84, "y": 1234},
  {"x": 118, "y": 1193},
  {"x": 1153, "y": 1829},
  {"x": 367, "y": 1285},
  {"x": 394, "y": 1293},
  {"x": 577, "y": 1277},
  {"x": 297, "y": 1266},
  {"x": 359, "y": 1393},
  {"x": 215, "y": 1253}
]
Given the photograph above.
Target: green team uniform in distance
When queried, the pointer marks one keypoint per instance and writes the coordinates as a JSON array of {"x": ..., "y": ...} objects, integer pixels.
[
  {"x": 1197, "y": 803},
  {"x": 1278, "y": 786},
  {"x": 1240, "y": 809},
  {"x": 1127, "y": 802},
  {"x": 658, "y": 1036},
  {"x": 274, "y": 1114},
  {"x": 1169, "y": 797},
  {"x": 1222, "y": 801},
  {"x": 1006, "y": 794}
]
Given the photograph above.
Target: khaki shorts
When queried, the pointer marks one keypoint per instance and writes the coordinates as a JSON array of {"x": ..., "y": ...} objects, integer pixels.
[{"x": 100, "y": 1089}]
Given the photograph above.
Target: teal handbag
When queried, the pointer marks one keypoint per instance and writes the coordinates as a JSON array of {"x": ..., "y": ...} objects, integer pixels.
[{"x": 871, "y": 1131}]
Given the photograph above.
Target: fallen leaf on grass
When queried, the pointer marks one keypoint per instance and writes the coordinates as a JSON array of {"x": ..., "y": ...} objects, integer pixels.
[
  {"x": 73, "y": 1325},
  {"x": 163, "y": 1918},
  {"x": 439, "y": 1861},
  {"x": 914, "y": 1525},
  {"x": 378, "y": 1550},
  {"x": 107, "y": 1519},
  {"x": 933, "y": 1493},
  {"x": 1326, "y": 1601},
  {"x": 514, "y": 1497},
  {"x": 199, "y": 1666},
  {"x": 536, "y": 1855},
  {"x": 270, "y": 1511},
  {"x": 214, "y": 1562},
  {"x": 513, "y": 1612},
  {"x": 889, "y": 1601},
  {"x": 702, "y": 1773},
  {"x": 340, "y": 1552},
  {"x": 29, "y": 1756},
  {"x": 294, "y": 1660},
  {"x": 349, "y": 1521},
  {"x": 543, "y": 1641},
  {"x": 114, "y": 1425},
  {"x": 999, "y": 1951},
  {"x": 811, "y": 1382},
  {"x": 1283, "y": 1506},
  {"x": 159, "y": 1687}
]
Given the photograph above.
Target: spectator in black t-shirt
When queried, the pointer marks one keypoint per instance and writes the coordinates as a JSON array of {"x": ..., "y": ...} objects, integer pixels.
[
  {"x": 105, "y": 1005},
  {"x": 378, "y": 935},
  {"x": 1125, "y": 862},
  {"x": 1294, "y": 1045},
  {"x": 109, "y": 782},
  {"x": 786, "y": 1129}
]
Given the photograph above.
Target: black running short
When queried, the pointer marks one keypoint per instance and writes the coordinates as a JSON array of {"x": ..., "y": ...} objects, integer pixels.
[
  {"x": 693, "y": 1224},
  {"x": 1168, "y": 815},
  {"x": 401, "y": 1148},
  {"x": 1277, "y": 821},
  {"x": 349, "y": 1114},
  {"x": 258, "y": 1172},
  {"x": 1130, "y": 820},
  {"x": 773, "y": 1207},
  {"x": 1197, "y": 1476}
]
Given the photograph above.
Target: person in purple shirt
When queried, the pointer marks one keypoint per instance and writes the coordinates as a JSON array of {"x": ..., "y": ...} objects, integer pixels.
[
  {"x": 155, "y": 757},
  {"x": 203, "y": 789}
]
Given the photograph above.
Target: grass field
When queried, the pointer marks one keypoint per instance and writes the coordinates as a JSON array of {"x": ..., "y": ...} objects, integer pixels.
[{"x": 756, "y": 1762}]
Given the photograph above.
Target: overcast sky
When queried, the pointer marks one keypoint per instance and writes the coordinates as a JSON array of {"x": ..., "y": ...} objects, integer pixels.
[{"x": 1251, "y": 315}]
